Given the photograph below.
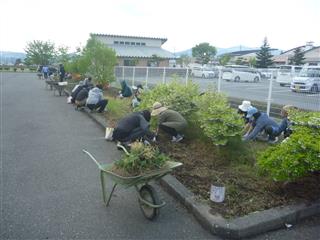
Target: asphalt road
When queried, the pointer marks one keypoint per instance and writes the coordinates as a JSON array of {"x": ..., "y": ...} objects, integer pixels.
[
  {"x": 51, "y": 190},
  {"x": 247, "y": 90}
]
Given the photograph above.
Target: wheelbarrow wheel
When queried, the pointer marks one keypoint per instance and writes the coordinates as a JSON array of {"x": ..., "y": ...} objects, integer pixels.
[{"x": 148, "y": 194}]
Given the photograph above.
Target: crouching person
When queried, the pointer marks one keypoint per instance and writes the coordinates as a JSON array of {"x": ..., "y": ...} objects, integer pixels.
[
  {"x": 132, "y": 127},
  {"x": 169, "y": 121},
  {"x": 260, "y": 121},
  {"x": 81, "y": 98},
  {"x": 95, "y": 100},
  {"x": 284, "y": 127}
]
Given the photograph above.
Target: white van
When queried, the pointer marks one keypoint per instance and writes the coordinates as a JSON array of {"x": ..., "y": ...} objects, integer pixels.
[
  {"x": 244, "y": 74},
  {"x": 308, "y": 80},
  {"x": 202, "y": 72},
  {"x": 286, "y": 73}
]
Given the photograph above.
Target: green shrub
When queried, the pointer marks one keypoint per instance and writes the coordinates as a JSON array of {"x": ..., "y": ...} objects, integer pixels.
[
  {"x": 217, "y": 119},
  {"x": 141, "y": 158},
  {"x": 298, "y": 155},
  {"x": 174, "y": 95}
]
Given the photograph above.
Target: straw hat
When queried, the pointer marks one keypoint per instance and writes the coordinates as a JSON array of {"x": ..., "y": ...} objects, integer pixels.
[
  {"x": 245, "y": 106},
  {"x": 157, "y": 109}
]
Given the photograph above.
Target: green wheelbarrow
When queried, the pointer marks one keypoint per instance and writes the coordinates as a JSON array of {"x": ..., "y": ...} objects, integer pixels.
[{"x": 148, "y": 199}]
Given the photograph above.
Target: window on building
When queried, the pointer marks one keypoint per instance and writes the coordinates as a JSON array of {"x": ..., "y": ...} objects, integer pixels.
[
  {"x": 133, "y": 43},
  {"x": 130, "y": 62},
  {"x": 137, "y": 43},
  {"x": 143, "y": 44},
  {"x": 116, "y": 42},
  {"x": 127, "y": 43},
  {"x": 122, "y": 43}
]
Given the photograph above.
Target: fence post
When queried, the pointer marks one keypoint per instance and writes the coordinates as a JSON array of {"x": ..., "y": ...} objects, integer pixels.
[
  {"x": 219, "y": 79},
  {"x": 164, "y": 75},
  {"x": 269, "y": 95},
  {"x": 187, "y": 74},
  {"x": 133, "y": 73},
  {"x": 123, "y": 73},
  {"x": 147, "y": 73}
]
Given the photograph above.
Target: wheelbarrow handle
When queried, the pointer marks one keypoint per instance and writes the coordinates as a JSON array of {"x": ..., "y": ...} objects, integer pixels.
[{"x": 92, "y": 157}]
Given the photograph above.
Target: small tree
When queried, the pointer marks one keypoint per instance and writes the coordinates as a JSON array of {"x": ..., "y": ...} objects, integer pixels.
[
  {"x": 184, "y": 60},
  {"x": 204, "y": 52},
  {"x": 101, "y": 61},
  {"x": 252, "y": 61},
  {"x": 224, "y": 60},
  {"x": 62, "y": 55},
  {"x": 298, "y": 57},
  {"x": 39, "y": 52},
  {"x": 264, "y": 57}
]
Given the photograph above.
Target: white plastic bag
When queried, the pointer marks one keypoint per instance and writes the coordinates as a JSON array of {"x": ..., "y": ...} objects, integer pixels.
[
  {"x": 69, "y": 99},
  {"x": 109, "y": 134},
  {"x": 217, "y": 193}
]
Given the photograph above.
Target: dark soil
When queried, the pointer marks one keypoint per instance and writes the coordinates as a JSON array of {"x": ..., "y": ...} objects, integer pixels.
[
  {"x": 233, "y": 166},
  {"x": 246, "y": 190}
]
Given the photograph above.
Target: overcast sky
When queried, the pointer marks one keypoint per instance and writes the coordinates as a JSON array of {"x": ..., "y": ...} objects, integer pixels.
[{"x": 222, "y": 23}]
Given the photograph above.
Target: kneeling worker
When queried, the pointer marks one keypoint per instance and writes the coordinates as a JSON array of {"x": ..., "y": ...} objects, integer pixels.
[
  {"x": 169, "y": 121},
  {"x": 132, "y": 127}
]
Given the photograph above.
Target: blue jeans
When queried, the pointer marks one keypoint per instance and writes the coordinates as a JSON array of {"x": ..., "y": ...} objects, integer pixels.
[{"x": 273, "y": 131}]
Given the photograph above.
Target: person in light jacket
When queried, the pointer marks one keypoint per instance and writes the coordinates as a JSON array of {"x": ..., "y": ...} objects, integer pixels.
[
  {"x": 95, "y": 99},
  {"x": 169, "y": 121}
]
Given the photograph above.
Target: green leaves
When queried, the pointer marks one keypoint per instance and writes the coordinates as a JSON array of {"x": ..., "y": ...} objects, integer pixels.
[
  {"x": 39, "y": 52},
  {"x": 297, "y": 155},
  {"x": 218, "y": 121},
  {"x": 142, "y": 158},
  {"x": 101, "y": 61},
  {"x": 174, "y": 95},
  {"x": 210, "y": 111}
]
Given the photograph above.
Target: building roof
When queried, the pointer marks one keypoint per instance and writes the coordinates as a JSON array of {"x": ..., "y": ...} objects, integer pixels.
[
  {"x": 245, "y": 52},
  {"x": 140, "y": 51},
  {"x": 311, "y": 49},
  {"x": 163, "y": 40}
]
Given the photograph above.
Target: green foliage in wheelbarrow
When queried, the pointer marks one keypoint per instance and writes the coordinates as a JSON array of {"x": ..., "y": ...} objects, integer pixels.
[{"x": 142, "y": 158}]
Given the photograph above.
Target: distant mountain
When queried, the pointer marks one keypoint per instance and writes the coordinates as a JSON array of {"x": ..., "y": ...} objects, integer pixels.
[{"x": 9, "y": 58}]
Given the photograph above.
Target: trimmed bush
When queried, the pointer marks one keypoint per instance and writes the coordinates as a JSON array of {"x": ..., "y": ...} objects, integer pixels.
[
  {"x": 216, "y": 118},
  {"x": 298, "y": 155},
  {"x": 174, "y": 95}
]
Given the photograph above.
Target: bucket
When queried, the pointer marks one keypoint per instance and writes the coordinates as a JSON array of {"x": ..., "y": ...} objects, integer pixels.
[{"x": 217, "y": 193}]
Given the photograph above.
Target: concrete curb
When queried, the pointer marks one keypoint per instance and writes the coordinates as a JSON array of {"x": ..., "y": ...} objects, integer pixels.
[{"x": 237, "y": 228}]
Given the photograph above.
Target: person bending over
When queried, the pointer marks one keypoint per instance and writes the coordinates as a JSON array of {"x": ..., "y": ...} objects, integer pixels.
[
  {"x": 132, "y": 127},
  {"x": 260, "y": 121},
  {"x": 169, "y": 121},
  {"x": 275, "y": 131}
]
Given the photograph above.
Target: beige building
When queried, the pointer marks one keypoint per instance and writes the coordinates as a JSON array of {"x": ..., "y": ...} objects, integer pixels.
[
  {"x": 137, "y": 51},
  {"x": 311, "y": 55}
]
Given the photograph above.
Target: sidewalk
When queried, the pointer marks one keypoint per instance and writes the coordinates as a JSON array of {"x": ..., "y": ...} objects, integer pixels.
[{"x": 50, "y": 189}]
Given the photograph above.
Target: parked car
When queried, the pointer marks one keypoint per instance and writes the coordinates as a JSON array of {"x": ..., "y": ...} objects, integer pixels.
[
  {"x": 202, "y": 72},
  {"x": 286, "y": 73},
  {"x": 241, "y": 74},
  {"x": 308, "y": 80}
]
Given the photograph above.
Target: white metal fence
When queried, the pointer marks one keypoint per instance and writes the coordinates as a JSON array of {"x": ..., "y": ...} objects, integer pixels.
[{"x": 264, "y": 92}]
